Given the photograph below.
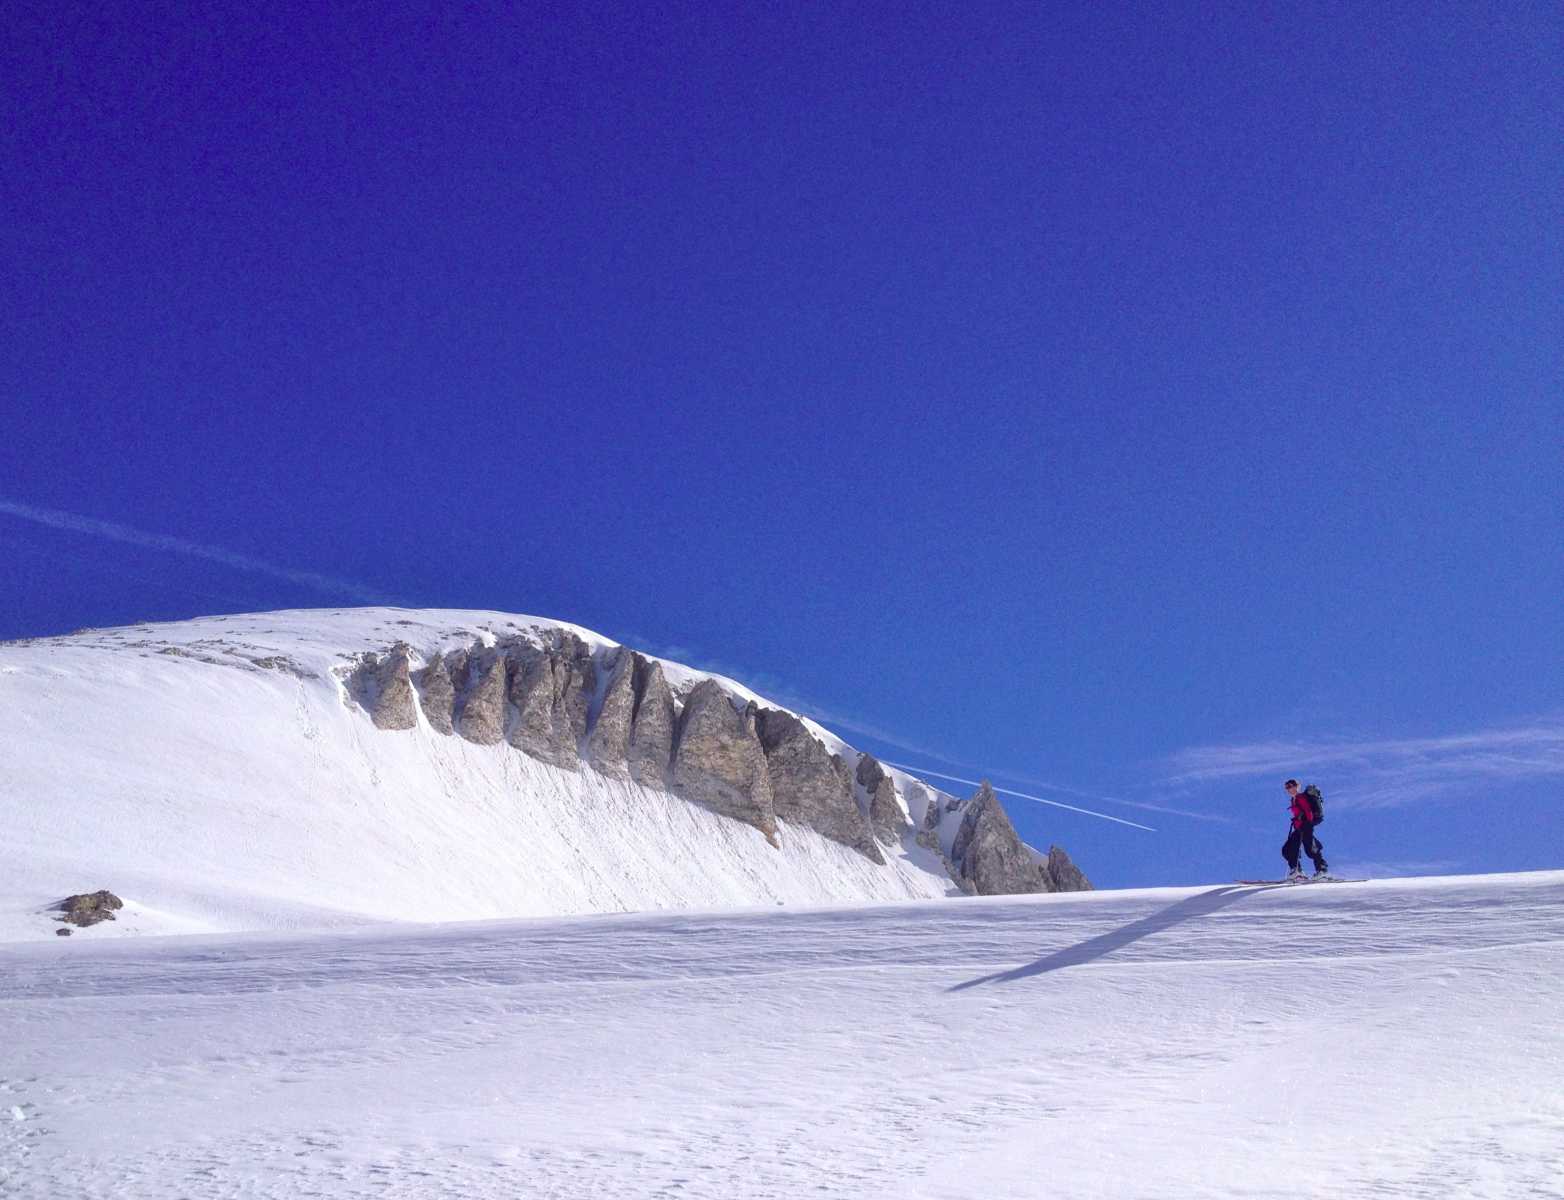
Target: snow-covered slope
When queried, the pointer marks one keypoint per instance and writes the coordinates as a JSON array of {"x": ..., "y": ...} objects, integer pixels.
[
  {"x": 1398, "y": 1039},
  {"x": 215, "y": 775}
]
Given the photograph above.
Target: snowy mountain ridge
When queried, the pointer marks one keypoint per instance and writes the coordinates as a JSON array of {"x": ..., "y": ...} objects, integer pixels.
[{"x": 321, "y": 768}]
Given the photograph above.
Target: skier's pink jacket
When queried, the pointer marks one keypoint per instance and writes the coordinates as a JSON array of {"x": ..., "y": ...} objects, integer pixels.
[{"x": 1302, "y": 811}]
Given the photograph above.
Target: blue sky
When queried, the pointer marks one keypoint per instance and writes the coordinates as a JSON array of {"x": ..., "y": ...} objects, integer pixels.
[{"x": 1135, "y": 408}]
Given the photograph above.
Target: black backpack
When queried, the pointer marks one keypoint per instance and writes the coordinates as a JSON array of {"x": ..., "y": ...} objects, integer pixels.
[{"x": 1317, "y": 800}]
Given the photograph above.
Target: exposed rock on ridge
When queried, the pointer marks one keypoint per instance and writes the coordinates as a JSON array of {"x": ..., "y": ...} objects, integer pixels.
[
  {"x": 481, "y": 702},
  {"x": 1063, "y": 874},
  {"x": 810, "y": 785},
  {"x": 437, "y": 695},
  {"x": 885, "y": 812},
  {"x": 632, "y": 737},
  {"x": 757, "y": 765},
  {"x": 382, "y": 685},
  {"x": 988, "y": 852},
  {"x": 718, "y": 759},
  {"x": 550, "y": 691}
]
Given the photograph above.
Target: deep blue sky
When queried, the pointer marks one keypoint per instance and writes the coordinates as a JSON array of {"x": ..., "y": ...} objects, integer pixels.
[{"x": 1039, "y": 392}]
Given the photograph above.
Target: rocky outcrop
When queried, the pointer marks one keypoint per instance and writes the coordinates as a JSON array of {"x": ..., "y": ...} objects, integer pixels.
[
  {"x": 436, "y": 693},
  {"x": 550, "y": 691},
  {"x": 886, "y": 817},
  {"x": 810, "y": 786},
  {"x": 988, "y": 852},
  {"x": 1064, "y": 875},
  {"x": 754, "y": 764},
  {"x": 632, "y": 735},
  {"x": 718, "y": 760},
  {"x": 929, "y": 838},
  {"x": 393, "y": 706},
  {"x": 481, "y": 701},
  {"x": 609, "y": 748},
  {"x": 652, "y": 725},
  {"x": 380, "y": 684},
  {"x": 88, "y": 908}
]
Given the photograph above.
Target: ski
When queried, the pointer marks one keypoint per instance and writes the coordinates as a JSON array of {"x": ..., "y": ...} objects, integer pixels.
[
  {"x": 1294, "y": 882},
  {"x": 1267, "y": 882}
]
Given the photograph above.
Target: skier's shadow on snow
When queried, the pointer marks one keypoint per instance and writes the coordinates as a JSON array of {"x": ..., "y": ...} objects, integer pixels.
[{"x": 1092, "y": 949}]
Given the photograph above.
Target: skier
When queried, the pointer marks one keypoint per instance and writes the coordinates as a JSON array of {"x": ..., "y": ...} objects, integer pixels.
[{"x": 1304, "y": 818}]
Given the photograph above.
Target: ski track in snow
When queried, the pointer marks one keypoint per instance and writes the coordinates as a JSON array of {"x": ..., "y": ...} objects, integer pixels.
[{"x": 1395, "y": 1039}]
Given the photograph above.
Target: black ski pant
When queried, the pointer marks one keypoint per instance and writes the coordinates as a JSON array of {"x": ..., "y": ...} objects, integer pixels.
[{"x": 1303, "y": 839}]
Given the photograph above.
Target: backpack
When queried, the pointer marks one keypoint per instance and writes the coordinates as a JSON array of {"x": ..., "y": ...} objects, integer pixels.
[{"x": 1317, "y": 800}]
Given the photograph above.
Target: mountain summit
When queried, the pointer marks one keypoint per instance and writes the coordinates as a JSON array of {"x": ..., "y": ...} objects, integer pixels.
[{"x": 319, "y": 768}]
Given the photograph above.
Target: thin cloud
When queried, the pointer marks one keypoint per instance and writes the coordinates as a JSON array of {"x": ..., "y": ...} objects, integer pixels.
[
  {"x": 1390, "y": 772},
  {"x": 1024, "y": 796},
  {"x": 72, "y": 523},
  {"x": 1049, "y": 785}
]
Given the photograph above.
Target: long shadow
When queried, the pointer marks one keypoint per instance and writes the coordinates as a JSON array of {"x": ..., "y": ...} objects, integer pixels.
[{"x": 1199, "y": 905}]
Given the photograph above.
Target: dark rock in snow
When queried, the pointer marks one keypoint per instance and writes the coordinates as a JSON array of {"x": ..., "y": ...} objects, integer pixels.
[
  {"x": 988, "y": 852},
  {"x": 740, "y": 760},
  {"x": 392, "y": 706},
  {"x": 88, "y": 908},
  {"x": 811, "y": 786},
  {"x": 550, "y": 690},
  {"x": 608, "y": 748},
  {"x": 482, "y": 704},
  {"x": 1064, "y": 875},
  {"x": 436, "y": 693},
  {"x": 886, "y": 817},
  {"x": 652, "y": 724},
  {"x": 718, "y": 760}
]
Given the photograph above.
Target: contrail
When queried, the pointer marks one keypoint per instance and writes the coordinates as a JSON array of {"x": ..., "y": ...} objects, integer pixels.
[
  {"x": 1022, "y": 795},
  {"x": 55, "y": 519}
]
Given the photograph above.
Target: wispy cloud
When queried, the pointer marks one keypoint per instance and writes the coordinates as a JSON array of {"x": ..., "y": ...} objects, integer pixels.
[
  {"x": 1389, "y": 772},
  {"x": 1049, "y": 785},
  {"x": 109, "y": 530},
  {"x": 1024, "y": 796}
]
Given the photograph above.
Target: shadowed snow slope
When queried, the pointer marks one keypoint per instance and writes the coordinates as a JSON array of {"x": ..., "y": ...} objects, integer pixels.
[
  {"x": 1390, "y": 1039},
  {"x": 217, "y": 776}
]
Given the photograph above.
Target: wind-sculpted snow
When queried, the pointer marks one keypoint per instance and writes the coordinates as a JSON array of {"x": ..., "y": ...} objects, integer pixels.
[{"x": 1396, "y": 1039}]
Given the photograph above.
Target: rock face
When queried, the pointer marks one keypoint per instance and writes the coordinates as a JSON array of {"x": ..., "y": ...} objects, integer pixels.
[
  {"x": 652, "y": 724},
  {"x": 88, "y": 908},
  {"x": 718, "y": 760},
  {"x": 886, "y": 817},
  {"x": 381, "y": 686},
  {"x": 550, "y": 691},
  {"x": 436, "y": 694},
  {"x": 393, "y": 703},
  {"x": 632, "y": 737},
  {"x": 989, "y": 854},
  {"x": 481, "y": 701},
  {"x": 609, "y": 749},
  {"x": 928, "y": 837},
  {"x": 542, "y": 696},
  {"x": 811, "y": 786},
  {"x": 1064, "y": 875}
]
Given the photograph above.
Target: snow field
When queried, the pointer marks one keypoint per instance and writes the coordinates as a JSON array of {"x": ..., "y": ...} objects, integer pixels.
[
  {"x": 1392, "y": 1039},
  {"x": 212, "y": 794}
]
